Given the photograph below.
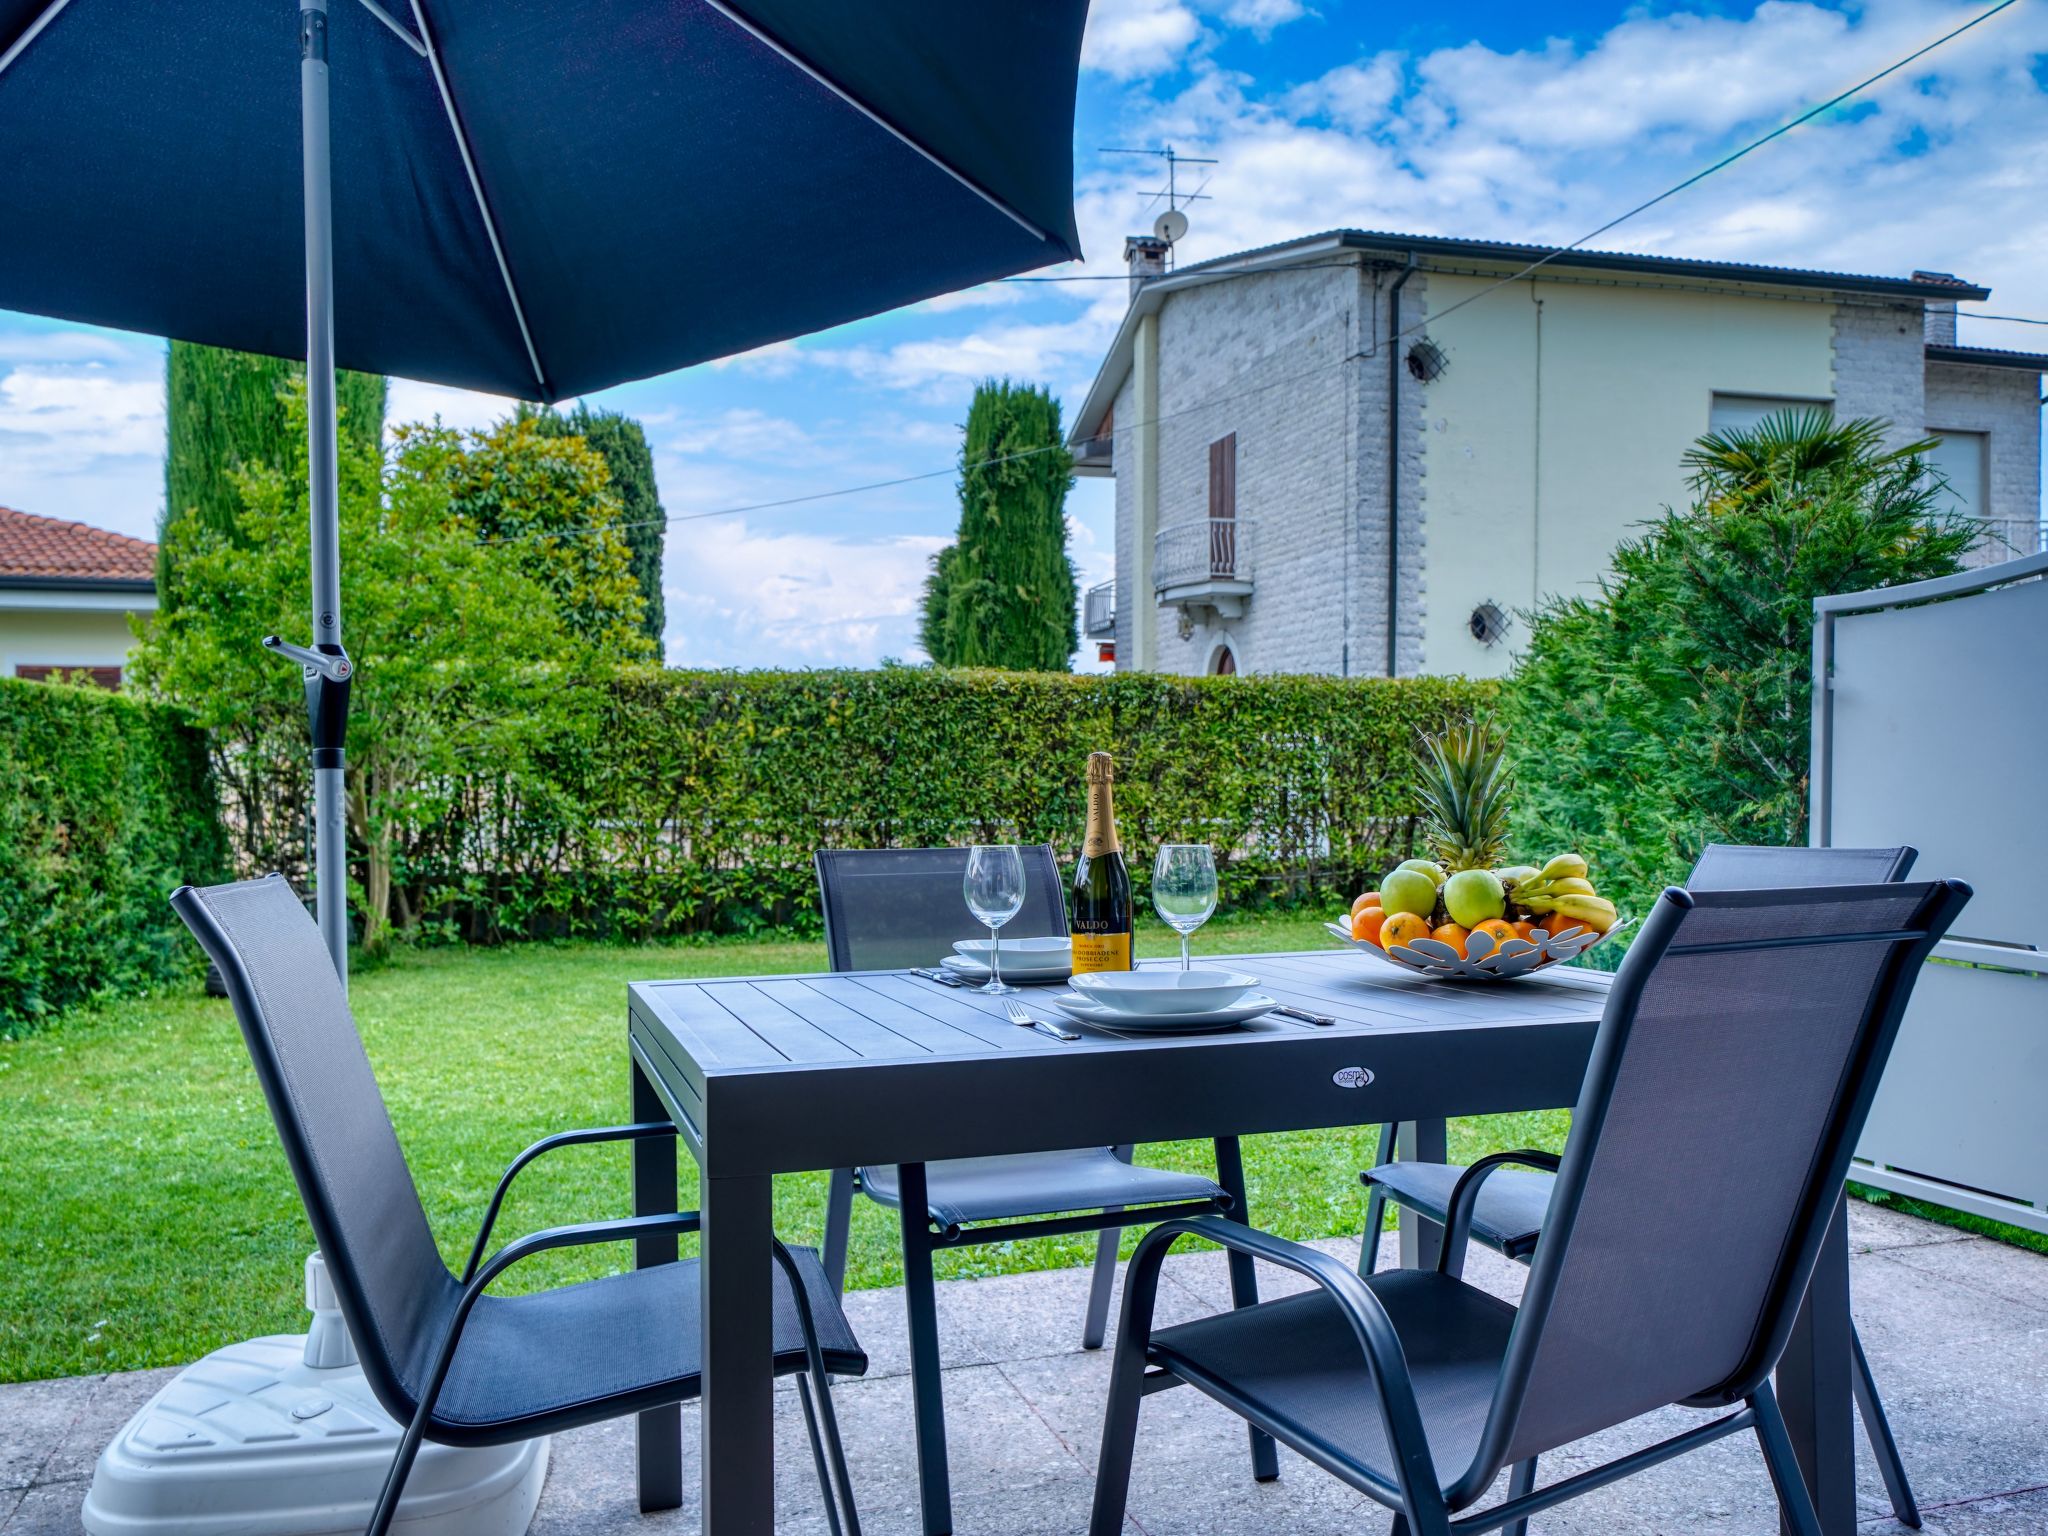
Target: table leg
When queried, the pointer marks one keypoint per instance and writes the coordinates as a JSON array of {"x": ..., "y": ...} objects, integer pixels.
[
  {"x": 927, "y": 1391},
  {"x": 659, "y": 1438},
  {"x": 1244, "y": 1283},
  {"x": 1814, "y": 1387},
  {"x": 736, "y": 1340},
  {"x": 1425, "y": 1141}
]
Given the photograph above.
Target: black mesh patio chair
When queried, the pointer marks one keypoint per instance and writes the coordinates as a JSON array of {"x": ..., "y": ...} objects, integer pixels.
[
  {"x": 1746, "y": 1031},
  {"x": 894, "y": 908},
  {"x": 447, "y": 1360},
  {"x": 1508, "y": 1217}
]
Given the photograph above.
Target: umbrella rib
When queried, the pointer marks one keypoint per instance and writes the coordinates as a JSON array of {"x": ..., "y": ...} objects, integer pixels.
[
  {"x": 790, "y": 56},
  {"x": 20, "y": 45},
  {"x": 397, "y": 29},
  {"x": 476, "y": 188}
]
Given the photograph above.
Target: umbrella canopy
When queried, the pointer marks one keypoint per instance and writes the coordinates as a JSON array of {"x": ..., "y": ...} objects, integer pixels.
[
  {"x": 531, "y": 197},
  {"x": 552, "y": 196}
]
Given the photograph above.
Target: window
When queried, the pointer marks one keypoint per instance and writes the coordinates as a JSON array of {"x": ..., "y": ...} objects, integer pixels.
[
  {"x": 1738, "y": 413},
  {"x": 1223, "y": 663},
  {"x": 103, "y": 677},
  {"x": 1223, "y": 506},
  {"x": 1959, "y": 459}
]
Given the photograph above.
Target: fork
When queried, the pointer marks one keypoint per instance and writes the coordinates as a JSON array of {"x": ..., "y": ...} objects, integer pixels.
[{"x": 1020, "y": 1017}]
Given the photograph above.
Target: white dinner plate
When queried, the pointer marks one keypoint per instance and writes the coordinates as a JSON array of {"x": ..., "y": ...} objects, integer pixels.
[
  {"x": 1015, "y": 968},
  {"x": 1166, "y": 991},
  {"x": 1205, "y": 1021},
  {"x": 1041, "y": 953}
]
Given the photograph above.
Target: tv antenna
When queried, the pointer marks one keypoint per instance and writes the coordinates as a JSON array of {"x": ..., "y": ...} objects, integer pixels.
[{"x": 1171, "y": 191}]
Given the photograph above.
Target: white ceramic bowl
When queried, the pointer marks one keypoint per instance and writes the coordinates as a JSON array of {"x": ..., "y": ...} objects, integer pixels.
[
  {"x": 1024, "y": 954},
  {"x": 1164, "y": 990}
]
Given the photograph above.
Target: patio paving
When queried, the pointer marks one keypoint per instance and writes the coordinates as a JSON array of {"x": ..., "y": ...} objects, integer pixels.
[{"x": 1957, "y": 1329}]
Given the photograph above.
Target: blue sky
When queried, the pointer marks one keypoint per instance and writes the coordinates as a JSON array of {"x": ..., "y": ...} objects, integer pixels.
[{"x": 1494, "y": 120}]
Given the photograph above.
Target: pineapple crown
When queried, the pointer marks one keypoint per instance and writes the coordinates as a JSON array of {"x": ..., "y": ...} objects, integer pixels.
[{"x": 1465, "y": 784}]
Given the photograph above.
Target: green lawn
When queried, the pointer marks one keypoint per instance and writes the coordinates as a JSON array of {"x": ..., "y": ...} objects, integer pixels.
[{"x": 146, "y": 1215}]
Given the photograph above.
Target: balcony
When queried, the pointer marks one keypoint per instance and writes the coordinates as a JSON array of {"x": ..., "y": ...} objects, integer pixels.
[
  {"x": 1205, "y": 565},
  {"x": 1098, "y": 611}
]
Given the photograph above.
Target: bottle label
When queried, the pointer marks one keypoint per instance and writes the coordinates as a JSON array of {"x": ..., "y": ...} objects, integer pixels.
[
  {"x": 1101, "y": 952},
  {"x": 1100, "y": 838}
]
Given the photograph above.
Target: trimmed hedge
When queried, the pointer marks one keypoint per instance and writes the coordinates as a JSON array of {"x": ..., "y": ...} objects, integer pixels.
[
  {"x": 692, "y": 802},
  {"x": 106, "y": 805}
]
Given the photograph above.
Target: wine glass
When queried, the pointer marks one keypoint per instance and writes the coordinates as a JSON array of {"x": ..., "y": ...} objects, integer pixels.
[
  {"x": 994, "y": 888},
  {"x": 1184, "y": 889}
]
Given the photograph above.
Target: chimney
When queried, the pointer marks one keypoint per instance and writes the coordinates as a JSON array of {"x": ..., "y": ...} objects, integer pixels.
[
  {"x": 1145, "y": 256},
  {"x": 1941, "y": 318}
]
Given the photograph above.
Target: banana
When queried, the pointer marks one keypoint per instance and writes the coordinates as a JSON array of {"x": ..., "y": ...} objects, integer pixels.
[
  {"x": 1572, "y": 885},
  {"x": 1565, "y": 866},
  {"x": 1596, "y": 912}
]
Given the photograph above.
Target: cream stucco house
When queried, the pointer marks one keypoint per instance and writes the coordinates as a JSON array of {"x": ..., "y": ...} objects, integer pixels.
[
  {"x": 66, "y": 592},
  {"x": 1271, "y": 511}
]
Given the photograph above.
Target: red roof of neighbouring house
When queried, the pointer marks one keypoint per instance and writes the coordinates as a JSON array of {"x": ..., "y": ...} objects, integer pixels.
[{"x": 51, "y": 549}]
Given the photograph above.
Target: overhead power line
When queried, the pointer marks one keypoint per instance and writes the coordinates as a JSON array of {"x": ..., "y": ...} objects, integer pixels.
[{"x": 1548, "y": 257}]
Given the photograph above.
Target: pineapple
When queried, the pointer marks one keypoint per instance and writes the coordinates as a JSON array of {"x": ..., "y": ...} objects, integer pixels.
[{"x": 1465, "y": 786}]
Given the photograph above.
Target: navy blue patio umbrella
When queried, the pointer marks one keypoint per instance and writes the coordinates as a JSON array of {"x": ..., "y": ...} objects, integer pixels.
[{"x": 537, "y": 198}]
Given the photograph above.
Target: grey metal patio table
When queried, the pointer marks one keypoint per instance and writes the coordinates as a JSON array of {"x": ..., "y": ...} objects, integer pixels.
[{"x": 791, "y": 1074}]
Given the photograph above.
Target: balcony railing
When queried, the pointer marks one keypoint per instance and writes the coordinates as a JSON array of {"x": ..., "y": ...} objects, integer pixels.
[
  {"x": 1098, "y": 612},
  {"x": 1206, "y": 563},
  {"x": 1208, "y": 549}
]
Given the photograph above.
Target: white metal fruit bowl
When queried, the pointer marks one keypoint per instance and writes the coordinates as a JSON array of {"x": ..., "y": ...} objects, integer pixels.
[{"x": 1481, "y": 961}]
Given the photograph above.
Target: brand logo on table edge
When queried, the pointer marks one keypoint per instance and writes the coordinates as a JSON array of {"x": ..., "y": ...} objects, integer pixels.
[{"x": 1351, "y": 1077}]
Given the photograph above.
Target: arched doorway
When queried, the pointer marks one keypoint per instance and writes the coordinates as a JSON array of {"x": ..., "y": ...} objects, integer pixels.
[{"x": 1223, "y": 663}]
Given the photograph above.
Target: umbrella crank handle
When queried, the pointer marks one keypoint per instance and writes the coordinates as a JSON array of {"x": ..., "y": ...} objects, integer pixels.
[{"x": 332, "y": 665}]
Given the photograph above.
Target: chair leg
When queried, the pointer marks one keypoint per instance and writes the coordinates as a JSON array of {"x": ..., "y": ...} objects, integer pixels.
[
  {"x": 803, "y": 1392},
  {"x": 401, "y": 1468},
  {"x": 921, "y": 1306},
  {"x": 1521, "y": 1482},
  {"x": 1100, "y": 1285},
  {"x": 1376, "y": 1206},
  {"x": 1795, "y": 1502},
  {"x": 838, "y": 1220},
  {"x": 1890, "y": 1465}
]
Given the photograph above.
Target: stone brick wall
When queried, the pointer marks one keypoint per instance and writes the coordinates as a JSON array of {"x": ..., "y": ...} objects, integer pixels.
[
  {"x": 1880, "y": 366},
  {"x": 2004, "y": 402},
  {"x": 1291, "y": 363}
]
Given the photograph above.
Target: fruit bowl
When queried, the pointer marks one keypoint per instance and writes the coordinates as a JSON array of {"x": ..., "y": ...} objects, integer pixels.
[{"x": 1482, "y": 961}]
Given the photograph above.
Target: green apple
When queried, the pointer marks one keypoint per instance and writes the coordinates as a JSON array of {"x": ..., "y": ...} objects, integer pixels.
[
  {"x": 1472, "y": 896},
  {"x": 1408, "y": 890},
  {"x": 1429, "y": 867}
]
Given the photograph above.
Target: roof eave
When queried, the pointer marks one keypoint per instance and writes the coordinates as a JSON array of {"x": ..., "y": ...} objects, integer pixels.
[{"x": 1988, "y": 357}]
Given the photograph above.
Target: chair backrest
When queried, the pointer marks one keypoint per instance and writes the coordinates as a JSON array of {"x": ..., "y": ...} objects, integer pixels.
[
  {"x": 1734, "y": 867},
  {"x": 1735, "y": 1064},
  {"x": 887, "y": 909},
  {"x": 394, "y": 1289}
]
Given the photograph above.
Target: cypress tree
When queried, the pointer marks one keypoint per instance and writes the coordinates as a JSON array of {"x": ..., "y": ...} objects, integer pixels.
[
  {"x": 620, "y": 442},
  {"x": 1003, "y": 595},
  {"x": 226, "y": 412}
]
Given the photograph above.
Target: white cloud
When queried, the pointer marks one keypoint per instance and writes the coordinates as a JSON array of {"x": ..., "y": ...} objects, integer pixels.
[
  {"x": 1129, "y": 38},
  {"x": 1262, "y": 16},
  {"x": 57, "y": 418},
  {"x": 466, "y": 409},
  {"x": 757, "y": 598},
  {"x": 739, "y": 433}
]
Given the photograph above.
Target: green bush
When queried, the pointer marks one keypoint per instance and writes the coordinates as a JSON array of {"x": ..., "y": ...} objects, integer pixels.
[
  {"x": 106, "y": 805},
  {"x": 1674, "y": 709},
  {"x": 692, "y": 802}
]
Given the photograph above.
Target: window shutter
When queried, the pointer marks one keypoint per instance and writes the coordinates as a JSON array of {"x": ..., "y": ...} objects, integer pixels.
[{"x": 1223, "y": 477}]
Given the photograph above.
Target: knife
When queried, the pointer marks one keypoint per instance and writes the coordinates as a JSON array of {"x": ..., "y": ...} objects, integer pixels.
[
  {"x": 1287, "y": 1010},
  {"x": 943, "y": 978}
]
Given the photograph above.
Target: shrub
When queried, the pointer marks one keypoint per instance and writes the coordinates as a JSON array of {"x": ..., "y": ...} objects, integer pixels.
[
  {"x": 1673, "y": 710},
  {"x": 106, "y": 805}
]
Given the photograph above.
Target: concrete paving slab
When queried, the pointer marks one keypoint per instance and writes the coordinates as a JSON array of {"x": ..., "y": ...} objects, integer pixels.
[{"x": 1957, "y": 1328}]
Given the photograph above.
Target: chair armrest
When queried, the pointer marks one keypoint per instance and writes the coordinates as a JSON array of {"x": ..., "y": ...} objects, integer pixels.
[
  {"x": 1465, "y": 1200},
  {"x": 635, "y": 1132},
  {"x": 1386, "y": 1362}
]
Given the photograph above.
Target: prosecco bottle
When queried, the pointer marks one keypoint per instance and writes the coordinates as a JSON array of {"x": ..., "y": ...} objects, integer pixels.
[{"x": 1101, "y": 910}]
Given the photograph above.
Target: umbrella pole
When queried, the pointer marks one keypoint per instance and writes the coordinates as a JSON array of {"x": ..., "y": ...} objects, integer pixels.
[{"x": 327, "y": 679}]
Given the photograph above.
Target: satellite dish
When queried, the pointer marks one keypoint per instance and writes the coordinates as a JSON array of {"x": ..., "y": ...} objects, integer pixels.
[{"x": 1170, "y": 225}]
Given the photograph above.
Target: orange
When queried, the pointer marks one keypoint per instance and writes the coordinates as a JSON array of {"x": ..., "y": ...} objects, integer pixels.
[
  {"x": 1403, "y": 928},
  {"x": 1499, "y": 929},
  {"x": 1452, "y": 934},
  {"x": 1525, "y": 931},
  {"x": 1369, "y": 899},
  {"x": 1366, "y": 924}
]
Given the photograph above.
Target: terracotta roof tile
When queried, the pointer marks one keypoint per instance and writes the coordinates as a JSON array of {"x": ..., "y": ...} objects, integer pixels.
[{"x": 56, "y": 550}]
